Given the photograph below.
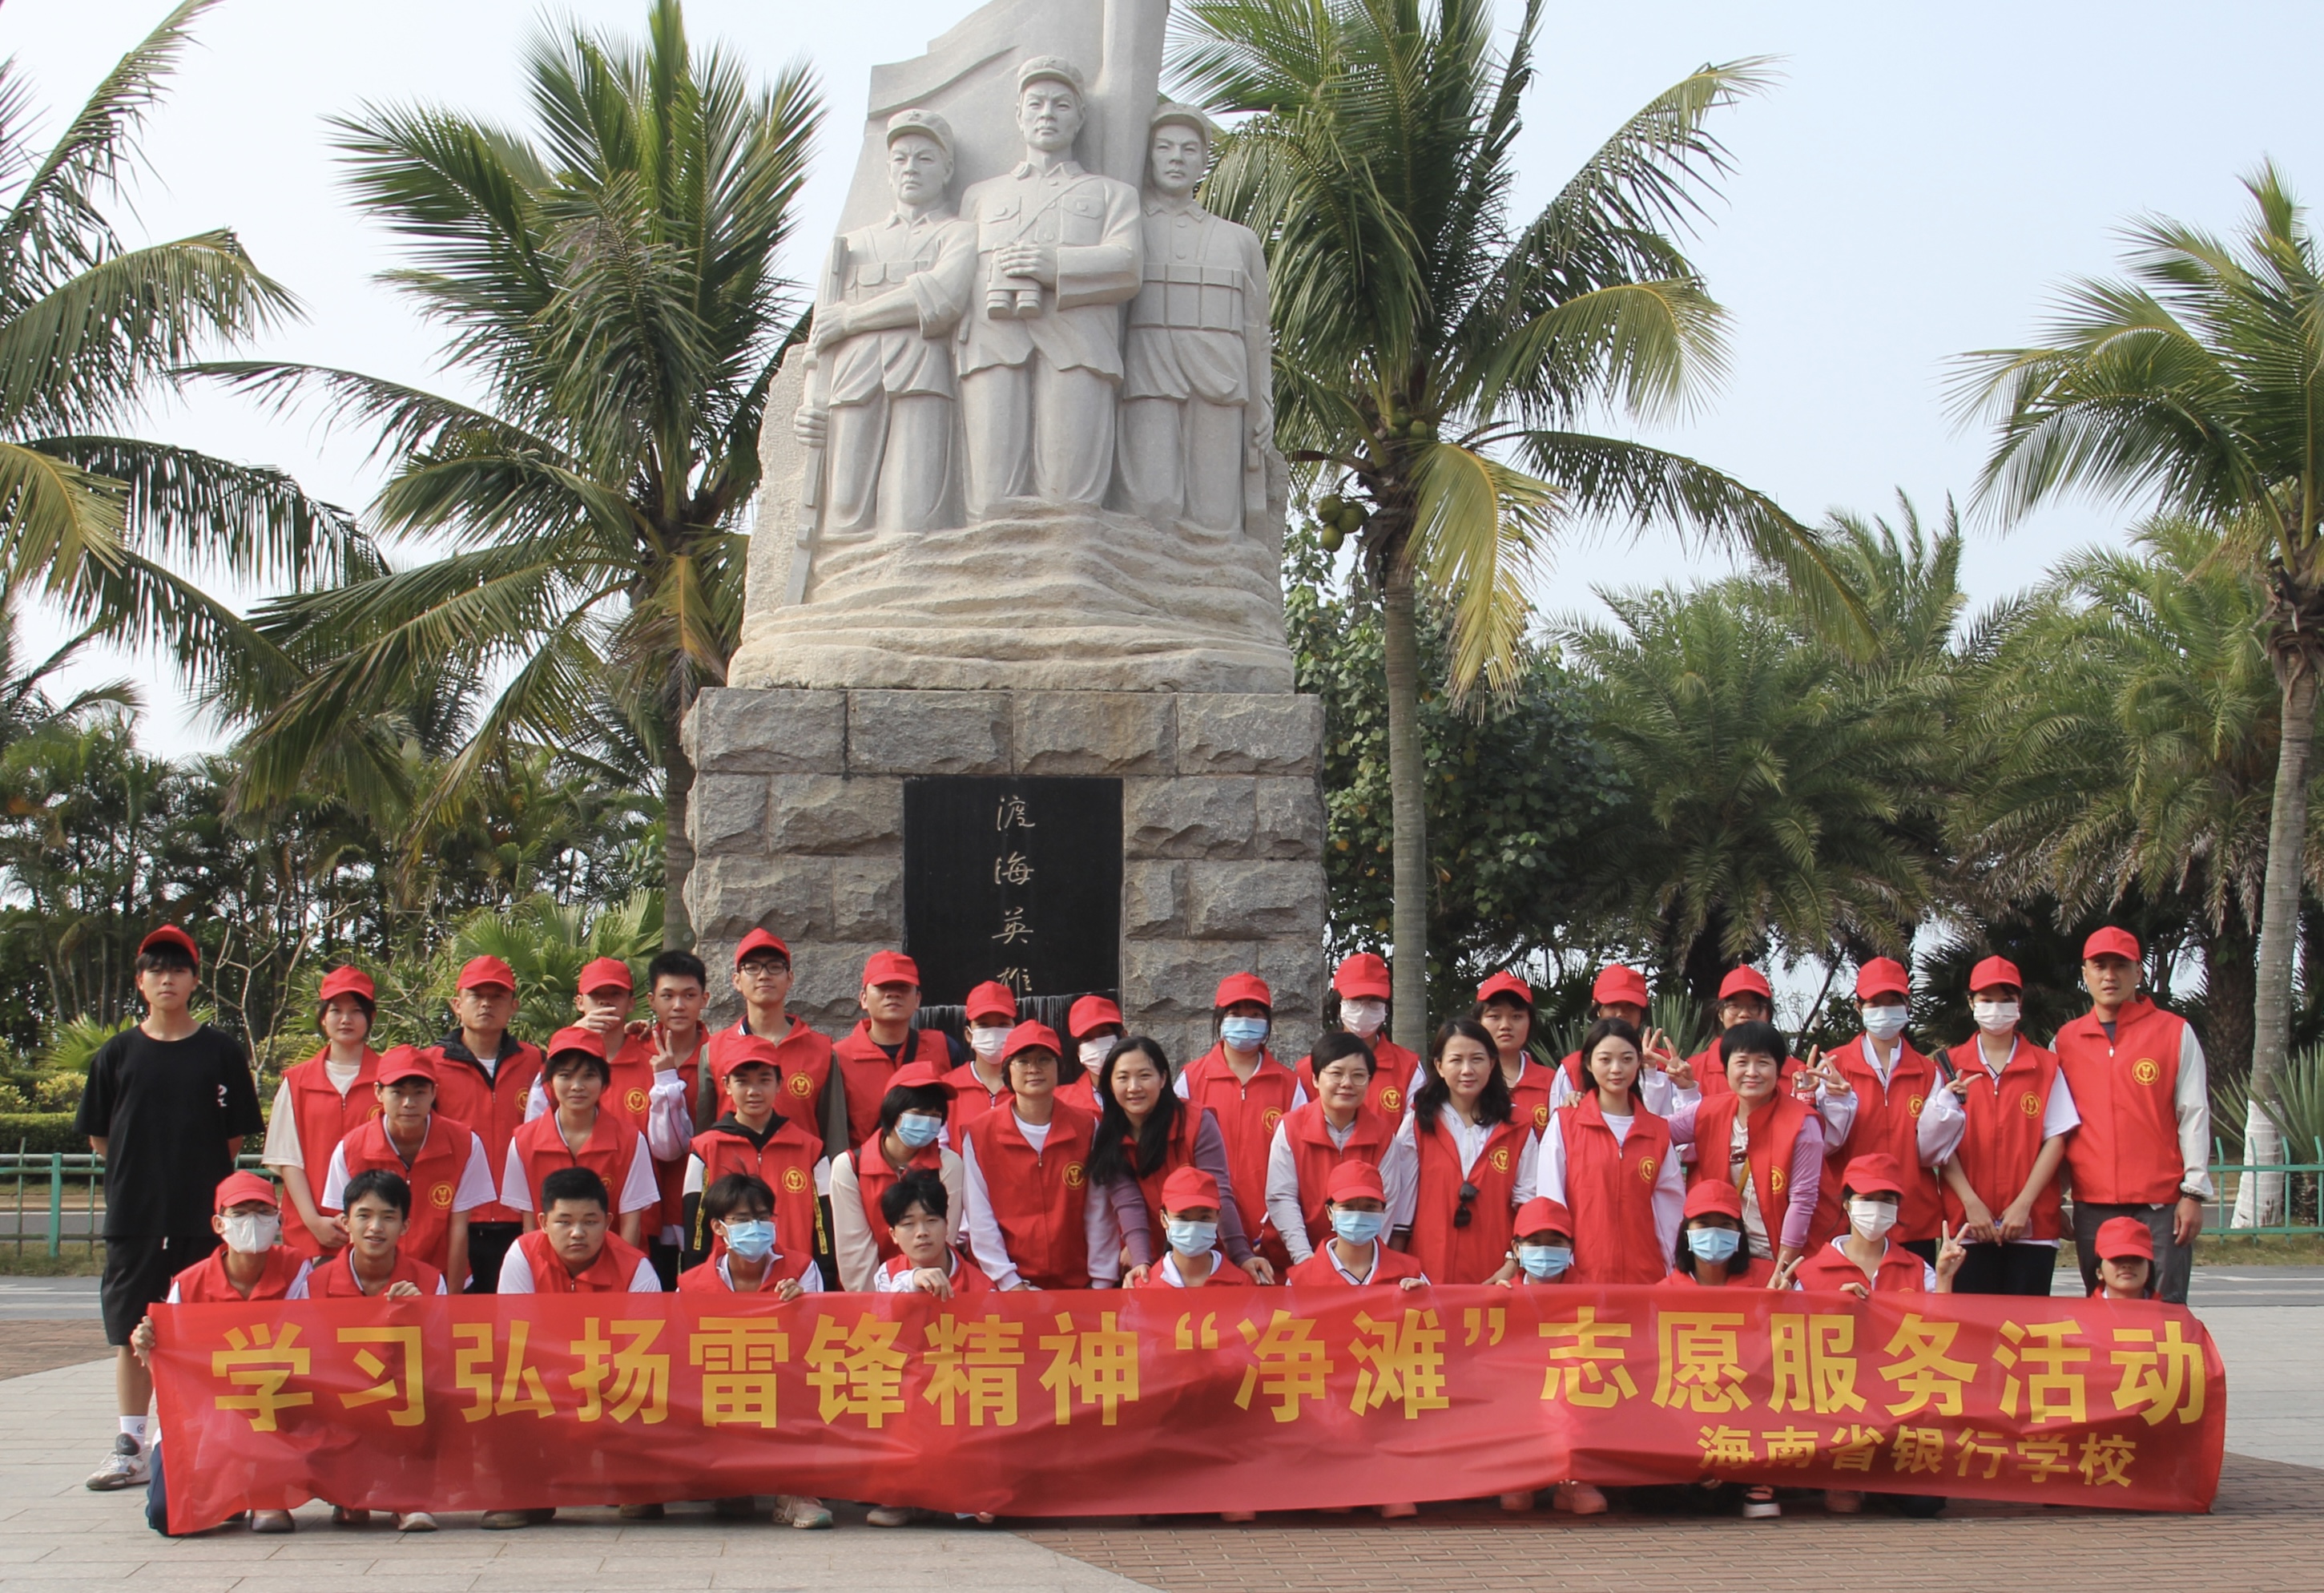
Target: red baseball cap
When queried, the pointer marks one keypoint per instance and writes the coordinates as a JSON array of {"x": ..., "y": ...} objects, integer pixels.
[
  {"x": 1364, "y": 975},
  {"x": 921, "y": 1076},
  {"x": 1746, "y": 981},
  {"x": 2124, "y": 1236},
  {"x": 604, "y": 973},
  {"x": 1025, "y": 1036},
  {"x": 1189, "y": 1186},
  {"x": 2110, "y": 941},
  {"x": 236, "y": 1188},
  {"x": 751, "y": 1050},
  {"x": 169, "y": 934},
  {"x": 480, "y": 972},
  {"x": 891, "y": 967},
  {"x": 405, "y": 1062},
  {"x": 1714, "y": 1197},
  {"x": 346, "y": 981},
  {"x": 1873, "y": 1173},
  {"x": 1621, "y": 984},
  {"x": 991, "y": 997},
  {"x": 760, "y": 940},
  {"x": 587, "y": 1041},
  {"x": 1352, "y": 1179},
  {"x": 1993, "y": 971},
  {"x": 1542, "y": 1214},
  {"x": 1237, "y": 987},
  {"x": 1504, "y": 984},
  {"x": 1881, "y": 976},
  {"x": 1092, "y": 1013}
]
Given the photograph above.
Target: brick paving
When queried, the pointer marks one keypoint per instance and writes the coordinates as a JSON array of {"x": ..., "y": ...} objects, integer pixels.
[{"x": 37, "y": 1344}]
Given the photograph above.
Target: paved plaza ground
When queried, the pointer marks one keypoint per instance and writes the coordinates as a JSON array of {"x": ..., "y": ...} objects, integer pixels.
[{"x": 2267, "y": 1532}]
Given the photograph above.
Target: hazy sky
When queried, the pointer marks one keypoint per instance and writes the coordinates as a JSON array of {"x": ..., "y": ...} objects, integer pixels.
[{"x": 1916, "y": 185}]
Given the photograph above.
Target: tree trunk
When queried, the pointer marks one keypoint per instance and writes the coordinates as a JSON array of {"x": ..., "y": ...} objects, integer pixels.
[
  {"x": 677, "y": 846},
  {"x": 2227, "y": 976},
  {"x": 2279, "y": 924},
  {"x": 1408, "y": 807}
]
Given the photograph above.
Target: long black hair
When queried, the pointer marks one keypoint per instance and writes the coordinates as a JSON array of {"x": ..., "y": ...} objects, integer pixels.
[
  {"x": 1111, "y": 1156},
  {"x": 1615, "y": 1029},
  {"x": 1493, "y": 1107}
]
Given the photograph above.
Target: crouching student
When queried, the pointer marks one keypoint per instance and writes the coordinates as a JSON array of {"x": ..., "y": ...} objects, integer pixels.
[
  {"x": 574, "y": 1251},
  {"x": 579, "y": 1131},
  {"x": 1191, "y": 1208},
  {"x": 911, "y": 1137},
  {"x": 747, "y": 1258},
  {"x": 441, "y": 1158},
  {"x": 1035, "y": 1219},
  {"x": 1710, "y": 1252},
  {"x": 2125, "y": 1251},
  {"x": 917, "y": 1207},
  {"x": 254, "y": 1264},
  {"x": 1542, "y": 1247}
]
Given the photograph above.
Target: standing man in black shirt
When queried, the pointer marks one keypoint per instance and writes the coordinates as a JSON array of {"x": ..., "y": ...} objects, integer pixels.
[{"x": 168, "y": 1106}]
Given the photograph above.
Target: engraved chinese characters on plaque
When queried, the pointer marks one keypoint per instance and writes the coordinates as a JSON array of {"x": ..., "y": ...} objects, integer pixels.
[{"x": 1018, "y": 880}]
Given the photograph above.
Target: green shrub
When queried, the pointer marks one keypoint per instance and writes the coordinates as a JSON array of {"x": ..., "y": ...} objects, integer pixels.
[{"x": 40, "y": 1134}]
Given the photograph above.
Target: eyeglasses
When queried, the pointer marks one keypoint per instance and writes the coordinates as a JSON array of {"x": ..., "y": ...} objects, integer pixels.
[{"x": 1461, "y": 1215}]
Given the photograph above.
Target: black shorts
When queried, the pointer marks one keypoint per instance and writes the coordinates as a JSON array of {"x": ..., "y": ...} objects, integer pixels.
[{"x": 138, "y": 1268}]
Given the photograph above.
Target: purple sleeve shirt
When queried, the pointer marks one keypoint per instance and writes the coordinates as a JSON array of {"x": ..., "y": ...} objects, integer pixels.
[
  {"x": 1210, "y": 1156},
  {"x": 1807, "y": 1181}
]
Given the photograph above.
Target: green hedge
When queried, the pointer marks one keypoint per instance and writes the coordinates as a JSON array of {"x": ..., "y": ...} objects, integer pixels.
[{"x": 41, "y": 1134}]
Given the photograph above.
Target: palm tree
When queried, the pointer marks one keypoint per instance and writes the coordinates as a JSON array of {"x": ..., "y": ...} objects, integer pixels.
[
  {"x": 89, "y": 328},
  {"x": 1424, "y": 336},
  {"x": 26, "y": 706},
  {"x": 2200, "y": 381},
  {"x": 613, "y": 281}
]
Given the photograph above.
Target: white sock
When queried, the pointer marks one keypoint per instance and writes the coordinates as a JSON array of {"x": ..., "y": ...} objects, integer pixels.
[{"x": 135, "y": 1426}]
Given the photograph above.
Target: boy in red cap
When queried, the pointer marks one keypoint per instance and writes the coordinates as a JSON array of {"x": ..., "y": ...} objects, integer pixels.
[
  {"x": 1711, "y": 1252},
  {"x": 1505, "y": 1007},
  {"x": 167, "y": 1105},
  {"x": 1238, "y": 1081},
  {"x": 911, "y": 1137},
  {"x": 484, "y": 1078},
  {"x": 884, "y": 1040},
  {"x": 1359, "y": 1005},
  {"x": 980, "y": 1083},
  {"x": 2144, "y": 1092},
  {"x": 1998, "y": 1132},
  {"x": 319, "y": 1103},
  {"x": 1190, "y": 1225},
  {"x": 440, "y": 1157},
  {"x": 810, "y": 1097},
  {"x": 1892, "y": 1084},
  {"x": 650, "y": 1079},
  {"x": 1035, "y": 1219},
  {"x": 581, "y": 1133},
  {"x": 2125, "y": 1252},
  {"x": 753, "y": 1137}
]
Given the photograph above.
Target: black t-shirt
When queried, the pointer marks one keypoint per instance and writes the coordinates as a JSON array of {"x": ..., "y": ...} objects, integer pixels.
[{"x": 166, "y": 1110}]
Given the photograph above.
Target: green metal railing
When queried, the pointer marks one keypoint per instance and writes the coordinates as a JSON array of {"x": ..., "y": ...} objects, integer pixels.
[
  {"x": 51, "y": 1187},
  {"x": 2304, "y": 1190}
]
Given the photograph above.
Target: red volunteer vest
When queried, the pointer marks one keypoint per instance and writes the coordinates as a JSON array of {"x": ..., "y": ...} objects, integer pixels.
[
  {"x": 1766, "y": 1153},
  {"x": 2126, "y": 1151},
  {"x": 781, "y": 1267},
  {"x": 967, "y": 1278},
  {"x": 1754, "y": 1276},
  {"x": 325, "y": 1117},
  {"x": 434, "y": 1176},
  {"x": 636, "y": 1097},
  {"x": 610, "y": 1273},
  {"x": 205, "y": 1283},
  {"x": 1313, "y": 1154},
  {"x": 1470, "y": 1254},
  {"x": 1038, "y": 1195},
  {"x": 864, "y": 1071},
  {"x": 336, "y": 1279},
  {"x": 971, "y": 1099},
  {"x": 1887, "y": 1120},
  {"x": 613, "y": 1146},
  {"x": 1317, "y": 1270},
  {"x": 1529, "y": 1096},
  {"x": 1390, "y": 1091},
  {"x": 1247, "y": 1115},
  {"x": 873, "y": 1177},
  {"x": 1900, "y": 1272},
  {"x": 1179, "y": 1151},
  {"x": 493, "y": 1108},
  {"x": 1609, "y": 1189},
  {"x": 786, "y": 1162},
  {"x": 2003, "y": 1134},
  {"x": 805, "y": 1058}
]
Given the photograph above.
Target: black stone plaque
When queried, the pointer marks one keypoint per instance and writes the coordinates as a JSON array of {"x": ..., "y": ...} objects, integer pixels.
[{"x": 1014, "y": 880}]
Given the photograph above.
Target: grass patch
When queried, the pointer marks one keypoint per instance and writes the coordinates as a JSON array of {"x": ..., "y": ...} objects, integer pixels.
[
  {"x": 33, "y": 1261},
  {"x": 2260, "y": 1250}
]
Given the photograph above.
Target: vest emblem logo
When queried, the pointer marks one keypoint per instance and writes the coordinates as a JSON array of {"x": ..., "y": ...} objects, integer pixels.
[
  {"x": 1500, "y": 1159},
  {"x": 801, "y": 1086},
  {"x": 635, "y": 1100},
  {"x": 1074, "y": 1175},
  {"x": 1645, "y": 1170},
  {"x": 794, "y": 1179},
  {"x": 1914, "y": 1104},
  {"x": 440, "y": 1197},
  {"x": 2146, "y": 1070},
  {"x": 1541, "y": 1116},
  {"x": 1777, "y": 1178},
  {"x": 1269, "y": 1118},
  {"x": 1392, "y": 1099},
  {"x": 2029, "y": 1103}
]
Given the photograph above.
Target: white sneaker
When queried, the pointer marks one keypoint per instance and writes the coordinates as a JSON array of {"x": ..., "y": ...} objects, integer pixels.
[
  {"x": 415, "y": 1521},
  {"x": 1759, "y": 1505},
  {"x": 890, "y": 1515},
  {"x": 125, "y": 1468},
  {"x": 801, "y": 1512}
]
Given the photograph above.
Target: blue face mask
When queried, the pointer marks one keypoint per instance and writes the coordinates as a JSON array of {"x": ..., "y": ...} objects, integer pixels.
[
  {"x": 752, "y": 1241},
  {"x": 1243, "y": 1034},
  {"x": 1359, "y": 1228},
  {"x": 1191, "y": 1238},
  {"x": 1713, "y": 1244},
  {"x": 1544, "y": 1261},
  {"x": 919, "y": 1130}
]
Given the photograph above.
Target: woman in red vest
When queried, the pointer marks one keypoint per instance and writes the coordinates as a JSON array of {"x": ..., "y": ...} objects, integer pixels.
[
  {"x": 1249, "y": 1092},
  {"x": 1095, "y": 1025},
  {"x": 753, "y": 1137},
  {"x": 1711, "y": 1252},
  {"x": 1359, "y": 1005},
  {"x": 1036, "y": 1219},
  {"x": 1336, "y": 1126},
  {"x": 2125, "y": 1248},
  {"x": 581, "y": 1131},
  {"x": 1999, "y": 1130},
  {"x": 1774, "y": 1142},
  {"x": 1608, "y": 1159},
  {"x": 1473, "y": 1165},
  {"x": 441, "y": 1158},
  {"x": 910, "y": 1136},
  {"x": 1145, "y": 1133},
  {"x": 1505, "y": 1007},
  {"x": 321, "y": 1101}
]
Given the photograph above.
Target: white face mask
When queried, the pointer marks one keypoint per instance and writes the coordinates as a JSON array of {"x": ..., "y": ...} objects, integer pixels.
[
  {"x": 1872, "y": 1218},
  {"x": 987, "y": 1042},
  {"x": 1094, "y": 1052},
  {"x": 1994, "y": 1018},
  {"x": 1885, "y": 1023},
  {"x": 1364, "y": 1017},
  {"x": 254, "y": 1232}
]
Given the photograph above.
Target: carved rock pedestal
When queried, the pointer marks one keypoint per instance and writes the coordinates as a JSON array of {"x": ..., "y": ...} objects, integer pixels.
[{"x": 798, "y": 826}]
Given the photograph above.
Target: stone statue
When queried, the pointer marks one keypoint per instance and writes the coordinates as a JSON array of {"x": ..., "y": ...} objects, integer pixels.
[
  {"x": 1196, "y": 417},
  {"x": 1040, "y": 353},
  {"x": 879, "y": 404}
]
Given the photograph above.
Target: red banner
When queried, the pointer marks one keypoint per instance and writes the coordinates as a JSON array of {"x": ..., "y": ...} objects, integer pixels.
[{"x": 1079, "y": 1403}]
